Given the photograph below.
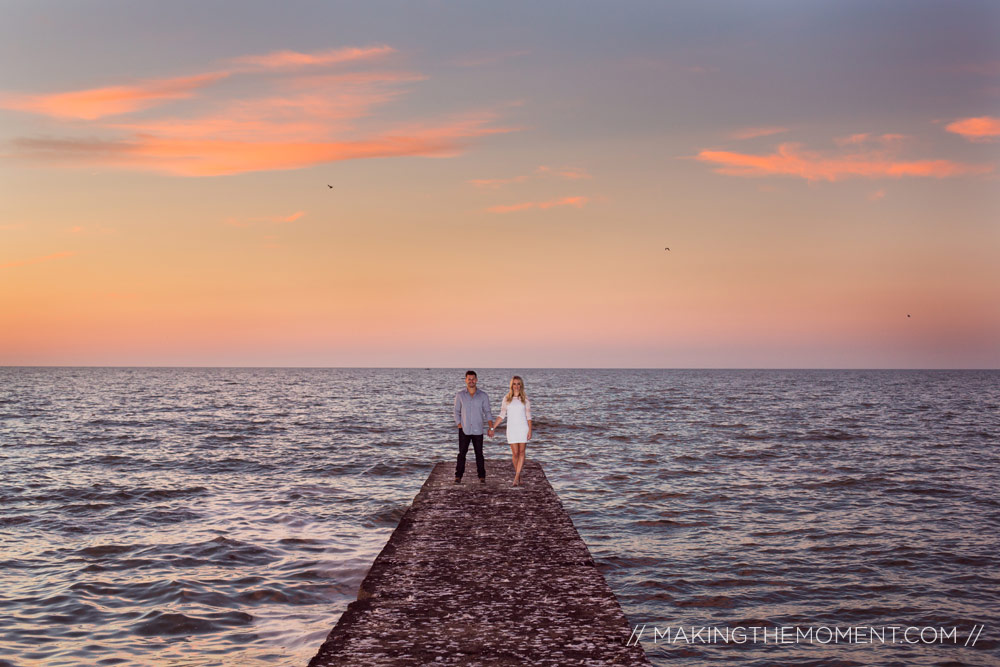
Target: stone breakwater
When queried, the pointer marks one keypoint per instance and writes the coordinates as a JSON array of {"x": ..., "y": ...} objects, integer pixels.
[{"x": 483, "y": 574}]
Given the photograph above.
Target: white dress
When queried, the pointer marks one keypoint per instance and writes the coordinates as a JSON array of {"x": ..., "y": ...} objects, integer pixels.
[{"x": 517, "y": 414}]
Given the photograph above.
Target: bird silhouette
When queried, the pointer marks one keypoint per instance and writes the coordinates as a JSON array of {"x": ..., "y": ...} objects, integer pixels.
[
  {"x": 666, "y": 248},
  {"x": 329, "y": 186},
  {"x": 907, "y": 314}
]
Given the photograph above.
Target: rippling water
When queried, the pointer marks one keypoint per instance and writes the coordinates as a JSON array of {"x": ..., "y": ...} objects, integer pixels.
[{"x": 227, "y": 516}]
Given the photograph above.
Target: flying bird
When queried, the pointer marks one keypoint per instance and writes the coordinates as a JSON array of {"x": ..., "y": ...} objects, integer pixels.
[
  {"x": 666, "y": 248},
  {"x": 329, "y": 186}
]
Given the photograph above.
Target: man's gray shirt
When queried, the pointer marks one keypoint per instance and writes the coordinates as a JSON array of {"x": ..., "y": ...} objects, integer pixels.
[{"x": 472, "y": 412}]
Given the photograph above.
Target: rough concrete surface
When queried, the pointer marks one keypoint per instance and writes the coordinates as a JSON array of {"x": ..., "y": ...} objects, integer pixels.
[{"x": 483, "y": 574}]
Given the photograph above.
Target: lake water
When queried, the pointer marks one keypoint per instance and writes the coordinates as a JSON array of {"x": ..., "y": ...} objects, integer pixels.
[{"x": 227, "y": 516}]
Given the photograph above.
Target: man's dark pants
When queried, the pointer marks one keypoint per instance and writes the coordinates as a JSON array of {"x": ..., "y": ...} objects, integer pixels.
[{"x": 463, "y": 449}]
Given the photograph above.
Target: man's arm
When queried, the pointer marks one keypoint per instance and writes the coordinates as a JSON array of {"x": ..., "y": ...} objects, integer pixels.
[
  {"x": 487, "y": 410},
  {"x": 458, "y": 410}
]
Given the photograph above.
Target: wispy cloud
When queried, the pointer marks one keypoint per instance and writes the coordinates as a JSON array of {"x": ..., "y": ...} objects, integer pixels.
[
  {"x": 37, "y": 260},
  {"x": 298, "y": 121},
  {"x": 856, "y": 159},
  {"x": 868, "y": 138},
  {"x": 96, "y": 103},
  {"x": 578, "y": 202},
  {"x": 312, "y": 108},
  {"x": 567, "y": 173},
  {"x": 291, "y": 218},
  {"x": 206, "y": 157},
  {"x": 753, "y": 132},
  {"x": 878, "y": 194},
  {"x": 498, "y": 182},
  {"x": 979, "y": 129},
  {"x": 279, "y": 219},
  {"x": 295, "y": 59}
]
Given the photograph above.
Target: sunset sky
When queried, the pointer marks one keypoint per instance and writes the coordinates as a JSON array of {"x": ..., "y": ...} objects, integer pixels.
[{"x": 507, "y": 176}]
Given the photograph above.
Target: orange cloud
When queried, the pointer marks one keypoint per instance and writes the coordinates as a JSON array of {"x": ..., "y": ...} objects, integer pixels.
[
  {"x": 791, "y": 160},
  {"x": 95, "y": 103},
  {"x": 207, "y": 157},
  {"x": 983, "y": 128},
  {"x": 569, "y": 173},
  {"x": 308, "y": 120},
  {"x": 497, "y": 182},
  {"x": 295, "y": 59},
  {"x": 112, "y": 100},
  {"x": 36, "y": 260},
  {"x": 291, "y": 218},
  {"x": 753, "y": 132},
  {"x": 310, "y": 109},
  {"x": 578, "y": 202},
  {"x": 866, "y": 138}
]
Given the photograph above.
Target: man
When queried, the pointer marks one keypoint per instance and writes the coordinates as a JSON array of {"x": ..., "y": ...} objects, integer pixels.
[{"x": 472, "y": 410}]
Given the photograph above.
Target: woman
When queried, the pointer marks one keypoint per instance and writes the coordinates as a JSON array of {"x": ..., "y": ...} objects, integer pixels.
[{"x": 517, "y": 408}]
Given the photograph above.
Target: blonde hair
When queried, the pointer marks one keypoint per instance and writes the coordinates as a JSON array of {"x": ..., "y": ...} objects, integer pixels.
[{"x": 510, "y": 393}]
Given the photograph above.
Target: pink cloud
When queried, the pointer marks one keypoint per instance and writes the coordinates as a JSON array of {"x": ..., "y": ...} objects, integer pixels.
[
  {"x": 295, "y": 59},
  {"x": 37, "y": 260},
  {"x": 96, "y": 103},
  {"x": 982, "y": 128},
  {"x": 568, "y": 173},
  {"x": 309, "y": 108},
  {"x": 291, "y": 218},
  {"x": 497, "y": 182},
  {"x": 578, "y": 202},
  {"x": 791, "y": 159},
  {"x": 753, "y": 132},
  {"x": 209, "y": 157},
  {"x": 299, "y": 121},
  {"x": 868, "y": 138},
  {"x": 236, "y": 222}
]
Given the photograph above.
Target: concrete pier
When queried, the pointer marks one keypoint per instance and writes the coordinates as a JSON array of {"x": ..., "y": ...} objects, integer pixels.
[{"x": 483, "y": 574}]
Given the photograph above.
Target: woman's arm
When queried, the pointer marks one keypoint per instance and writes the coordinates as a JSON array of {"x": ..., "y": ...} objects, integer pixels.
[{"x": 503, "y": 413}]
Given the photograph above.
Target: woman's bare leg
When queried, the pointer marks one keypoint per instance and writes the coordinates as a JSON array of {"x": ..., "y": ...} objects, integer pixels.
[
  {"x": 518, "y": 461},
  {"x": 513, "y": 457}
]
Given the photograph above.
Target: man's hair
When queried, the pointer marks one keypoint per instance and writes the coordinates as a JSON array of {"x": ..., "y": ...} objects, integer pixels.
[{"x": 472, "y": 373}]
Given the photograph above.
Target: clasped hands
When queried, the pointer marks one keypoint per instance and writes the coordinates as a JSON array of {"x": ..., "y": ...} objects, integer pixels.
[{"x": 493, "y": 430}]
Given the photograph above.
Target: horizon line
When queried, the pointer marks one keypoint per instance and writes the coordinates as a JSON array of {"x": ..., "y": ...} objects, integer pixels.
[{"x": 535, "y": 368}]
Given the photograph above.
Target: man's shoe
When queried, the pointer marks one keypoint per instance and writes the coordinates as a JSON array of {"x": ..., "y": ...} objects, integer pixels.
[
  {"x": 482, "y": 480},
  {"x": 458, "y": 480}
]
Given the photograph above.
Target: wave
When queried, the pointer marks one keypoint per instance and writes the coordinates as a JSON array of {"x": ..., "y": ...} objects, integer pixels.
[
  {"x": 117, "y": 496},
  {"x": 169, "y": 624},
  {"x": 670, "y": 523}
]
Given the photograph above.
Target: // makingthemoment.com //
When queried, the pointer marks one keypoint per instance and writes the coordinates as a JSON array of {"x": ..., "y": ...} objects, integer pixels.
[{"x": 797, "y": 634}]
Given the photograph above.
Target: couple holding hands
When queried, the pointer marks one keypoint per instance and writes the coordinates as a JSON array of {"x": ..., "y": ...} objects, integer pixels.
[{"x": 473, "y": 415}]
